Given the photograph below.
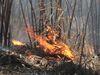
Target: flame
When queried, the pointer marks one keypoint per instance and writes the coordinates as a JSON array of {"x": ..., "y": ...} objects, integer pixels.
[
  {"x": 17, "y": 43},
  {"x": 56, "y": 48}
]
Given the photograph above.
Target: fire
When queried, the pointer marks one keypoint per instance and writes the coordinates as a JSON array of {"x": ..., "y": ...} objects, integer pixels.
[
  {"x": 56, "y": 48},
  {"x": 17, "y": 43}
]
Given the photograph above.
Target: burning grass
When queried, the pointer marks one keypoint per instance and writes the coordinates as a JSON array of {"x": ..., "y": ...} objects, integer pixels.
[
  {"x": 17, "y": 43},
  {"x": 57, "y": 47}
]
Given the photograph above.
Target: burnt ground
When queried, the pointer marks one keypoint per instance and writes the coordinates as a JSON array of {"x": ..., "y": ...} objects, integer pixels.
[{"x": 12, "y": 64}]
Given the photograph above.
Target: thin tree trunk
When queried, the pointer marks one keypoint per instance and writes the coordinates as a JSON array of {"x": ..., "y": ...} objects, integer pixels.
[
  {"x": 42, "y": 16},
  {"x": 71, "y": 20},
  {"x": 5, "y": 20},
  {"x": 51, "y": 11},
  {"x": 84, "y": 32},
  {"x": 33, "y": 16},
  {"x": 25, "y": 22}
]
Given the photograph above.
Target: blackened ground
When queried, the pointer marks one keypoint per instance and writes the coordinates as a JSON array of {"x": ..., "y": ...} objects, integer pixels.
[{"x": 14, "y": 65}]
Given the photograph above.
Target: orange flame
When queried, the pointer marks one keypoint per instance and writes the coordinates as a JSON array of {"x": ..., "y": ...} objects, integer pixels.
[
  {"x": 17, "y": 43},
  {"x": 56, "y": 48}
]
